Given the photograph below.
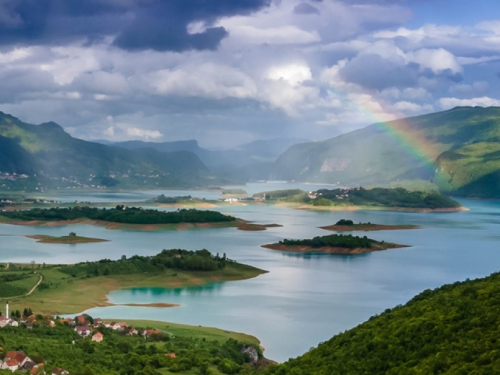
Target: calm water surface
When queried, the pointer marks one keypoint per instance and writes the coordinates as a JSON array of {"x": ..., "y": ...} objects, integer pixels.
[{"x": 304, "y": 299}]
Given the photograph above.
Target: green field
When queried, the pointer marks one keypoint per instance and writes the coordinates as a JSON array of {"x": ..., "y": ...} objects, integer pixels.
[{"x": 16, "y": 281}]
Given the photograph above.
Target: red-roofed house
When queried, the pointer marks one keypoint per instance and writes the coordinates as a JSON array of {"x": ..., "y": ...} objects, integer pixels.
[
  {"x": 171, "y": 355},
  {"x": 147, "y": 333},
  {"x": 98, "y": 337},
  {"x": 83, "y": 330}
]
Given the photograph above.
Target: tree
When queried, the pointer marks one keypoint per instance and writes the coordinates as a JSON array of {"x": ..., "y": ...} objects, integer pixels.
[{"x": 72, "y": 234}]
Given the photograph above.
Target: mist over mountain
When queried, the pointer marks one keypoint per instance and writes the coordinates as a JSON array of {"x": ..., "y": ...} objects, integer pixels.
[{"x": 461, "y": 154}]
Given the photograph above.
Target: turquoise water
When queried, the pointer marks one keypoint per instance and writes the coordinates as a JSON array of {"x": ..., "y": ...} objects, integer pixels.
[{"x": 304, "y": 299}]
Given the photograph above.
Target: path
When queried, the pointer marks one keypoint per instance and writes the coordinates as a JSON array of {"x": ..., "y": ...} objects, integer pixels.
[{"x": 33, "y": 289}]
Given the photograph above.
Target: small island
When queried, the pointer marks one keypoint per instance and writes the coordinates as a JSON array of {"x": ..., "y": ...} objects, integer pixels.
[
  {"x": 344, "y": 225},
  {"x": 334, "y": 244},
  {"x": 256, "y": 227},
  {"x": 72, "y": 238},
  {"x": 120, "y": 217}
]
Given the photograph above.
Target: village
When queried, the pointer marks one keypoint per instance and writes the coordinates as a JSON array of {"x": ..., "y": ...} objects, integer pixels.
[{"x": 84, "y": 325}]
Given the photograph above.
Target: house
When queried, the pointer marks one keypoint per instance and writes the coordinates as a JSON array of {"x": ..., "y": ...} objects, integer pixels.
[
  {"x": 97, "y": 321},
  {"x": 18, "y": 356},
  {"x": 59, "y": 371},
  {"x": 10, "y": 364},
  {"x": 148, "y": 332},
  {"x": 108, "y": 324},
  {"x": 171, "y": 355},
  {"x": 83, "y": 330},
  {"x": 132, "y": 332},
  {"x": 81, "y": 320},
  {"x": 98, "y": 337}
]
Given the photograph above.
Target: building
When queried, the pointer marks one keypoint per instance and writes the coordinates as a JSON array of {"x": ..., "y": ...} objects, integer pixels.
[{"x": 97, "y": 337}]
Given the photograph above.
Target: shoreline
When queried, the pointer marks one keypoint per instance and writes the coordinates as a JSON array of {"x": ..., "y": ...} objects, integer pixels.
[
  {"x": 124, "y": 226},
  {"x": 299, "y": 206},
  {"x": 332, "y": 250},
  {"x": 367, "y": 227}
]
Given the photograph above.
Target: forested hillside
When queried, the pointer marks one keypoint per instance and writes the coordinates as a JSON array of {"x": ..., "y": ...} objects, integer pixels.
[{"x": 454, "y": 329}]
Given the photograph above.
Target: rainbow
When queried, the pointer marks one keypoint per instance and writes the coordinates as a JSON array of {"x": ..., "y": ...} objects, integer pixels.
[{"x": 400, "y": 130}]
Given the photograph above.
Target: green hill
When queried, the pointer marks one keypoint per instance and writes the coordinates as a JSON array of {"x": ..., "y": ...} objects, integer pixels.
[
  {"x": 457, "y": 141},
  {"x": 454, "y": 329},
  {"x": 59, "y": 160}
]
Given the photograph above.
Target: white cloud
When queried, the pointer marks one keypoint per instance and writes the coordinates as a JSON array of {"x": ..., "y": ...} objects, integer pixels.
[
  {"x": 484, "y": 101},
  {"x": 273, "y": 35},
  {"x": 438, "y": 60},
  {"x": 205, "y": 80},
  {"x": 292, "y": 73}
]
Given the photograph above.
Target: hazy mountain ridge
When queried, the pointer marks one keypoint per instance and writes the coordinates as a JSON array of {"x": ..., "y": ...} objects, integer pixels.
[
  {"x": 454, "y": 141},
  {"x": 47, "y": 151},
  {"x": 265, "y": 151}
]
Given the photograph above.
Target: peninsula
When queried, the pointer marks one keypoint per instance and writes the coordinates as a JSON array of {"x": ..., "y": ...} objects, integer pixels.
[
  {"x": 120, "y": 217},
  {"x": 397, "y": 199},
  {"x": 66, "y": 289},
  {"x": 344, "y": 225},
  {"x": 334, "y": 244}
]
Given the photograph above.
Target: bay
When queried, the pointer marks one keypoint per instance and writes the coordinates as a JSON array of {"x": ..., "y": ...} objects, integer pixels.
[{"x": 304, "y": 299}]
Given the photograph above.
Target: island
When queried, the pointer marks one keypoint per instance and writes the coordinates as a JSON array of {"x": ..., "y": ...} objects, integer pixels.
[
  {"x": 120, "y": 217},
  {"x": 257, "y": 227},
  {"x": 72, "y": 238},
  {"x": 70, "y": 288},
  {"x": 344, "y": 225},
  {"x": 334, "y": 244},
  {"x": 396, "y": 199}
]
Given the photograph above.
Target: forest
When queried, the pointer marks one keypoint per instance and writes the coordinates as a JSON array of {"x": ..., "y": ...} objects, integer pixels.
[
  {"x": 453, "y": 329},
  {"x": 120, "y": 214},
  {"x": 333, "y": 240},
  {"x": 176, "y": 259}
]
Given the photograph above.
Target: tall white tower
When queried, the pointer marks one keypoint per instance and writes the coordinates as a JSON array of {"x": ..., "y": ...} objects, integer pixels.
[{"x": 7, "y": 310}]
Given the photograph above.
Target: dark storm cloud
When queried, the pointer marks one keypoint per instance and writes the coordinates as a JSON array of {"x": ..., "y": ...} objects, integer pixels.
[
  {"x": 304, "y": 8},
  {"x": 138, "y": 24}
]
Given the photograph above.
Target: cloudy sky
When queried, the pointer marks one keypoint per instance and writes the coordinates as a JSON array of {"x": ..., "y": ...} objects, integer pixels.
[{"x": 228, "y": 72}]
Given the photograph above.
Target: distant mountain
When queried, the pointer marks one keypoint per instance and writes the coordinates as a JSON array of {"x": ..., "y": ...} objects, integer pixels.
[
  {"x": 51, "y": 154},
  {"x": 250, "y": 161},
  {"x": 462, "y": 145}
]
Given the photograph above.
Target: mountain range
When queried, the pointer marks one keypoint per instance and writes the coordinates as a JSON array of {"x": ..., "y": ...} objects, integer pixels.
[
  {"x": 458, "y": 150},
  {"x": 47, "y": 156}
]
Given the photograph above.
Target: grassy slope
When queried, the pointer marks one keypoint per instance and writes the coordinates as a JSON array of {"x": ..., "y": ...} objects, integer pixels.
[
  {"x": 67, "y": 295},
  {"x": 465, "y": 171},
  {"x": 196, "y": 332},
  {"x": 454, "y": 329}
]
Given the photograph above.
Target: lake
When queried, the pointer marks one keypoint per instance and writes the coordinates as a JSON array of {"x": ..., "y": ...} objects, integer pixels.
[{"x": 304, "y": 299}]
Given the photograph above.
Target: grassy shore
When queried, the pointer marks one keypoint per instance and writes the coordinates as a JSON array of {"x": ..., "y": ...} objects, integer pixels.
[
  {"x": 65, "y": 239},
  {"x": 122, "y": 226},
  {"x": 61, "y": 293}
]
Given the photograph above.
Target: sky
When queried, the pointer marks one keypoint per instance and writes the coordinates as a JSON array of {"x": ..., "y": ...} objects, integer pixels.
[{"x": 228, "y": 72}]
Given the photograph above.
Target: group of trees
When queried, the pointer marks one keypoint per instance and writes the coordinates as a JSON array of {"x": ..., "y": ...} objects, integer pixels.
[
  {"x": 333, "y": 240},
  {"x": 121, "y": 214},
  {"x": 397, "y": 197},
  {"x": 172, "y": 200},
  {"x": 177, "y": 259}
]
